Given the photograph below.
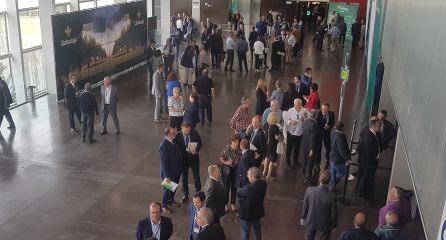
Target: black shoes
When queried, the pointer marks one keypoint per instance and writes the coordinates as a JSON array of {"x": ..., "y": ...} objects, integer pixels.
[
  {"x": 103, "y": 132},
  {"x": 185, "y": 199}
]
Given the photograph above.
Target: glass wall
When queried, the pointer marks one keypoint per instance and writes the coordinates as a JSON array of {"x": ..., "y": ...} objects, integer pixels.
[
  {"x": 6, "y": 74},
  {"x": 34, "y": 70},
  {"x": 2, "y": 5},
  {"x": 63, "y": 8},
  {"x": 86, "y": 5},
  {"x": 3, "y": 35},
  {"x": 30, "y": 28}
]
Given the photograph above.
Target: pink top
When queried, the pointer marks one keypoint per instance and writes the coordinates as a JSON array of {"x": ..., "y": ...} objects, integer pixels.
[{"x": 313, "y": 100}]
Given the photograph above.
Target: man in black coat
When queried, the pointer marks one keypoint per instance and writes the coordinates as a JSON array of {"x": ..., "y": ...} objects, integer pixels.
[
  {"x": 5, "y": 101},
  {"x": 248, "y": 160},
  {"x": 339, "y": 155},
  {"x": 369, "y": 153},
  {"x": 149, "y": 54},
  {"x": 155, "y": 226},
  {"x": 311, "y": 146},
  {"x": 299, "y": 90},
  {"x": 71, "y": 95},
  {"x": 319, "y": 211},
  {"x": 356, "y": 33},
  {"x": 88, "y": 107},
  {"x": 171, "y": 164},
  {"x": 252, "y": 39},
  {"x": 325, "y": 120},
  {"x": 387, "y": 131},
  {"x": 277, "y": 51},
  {"x": 189, "y": 142},
  {"x": 251, "y": 204},
  {"x": 209, "y": 230},
  {"x": 359, "y": 231},
  {"x": 215, "y": 193},
  {"x": 257, "y": 139}
]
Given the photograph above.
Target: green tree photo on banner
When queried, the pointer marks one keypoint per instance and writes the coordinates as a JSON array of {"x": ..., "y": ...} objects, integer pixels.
[{"x": 233, "y": 5}]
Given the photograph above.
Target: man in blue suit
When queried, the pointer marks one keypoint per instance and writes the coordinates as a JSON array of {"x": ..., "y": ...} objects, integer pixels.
[
  {"x": 198, "y": 203},
  {"x": 170, "y": 157},
  {"x": 155, "y": 226}
]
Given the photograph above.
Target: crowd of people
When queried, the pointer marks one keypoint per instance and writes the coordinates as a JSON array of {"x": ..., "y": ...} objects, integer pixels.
[{"x": 289, "y": 120}]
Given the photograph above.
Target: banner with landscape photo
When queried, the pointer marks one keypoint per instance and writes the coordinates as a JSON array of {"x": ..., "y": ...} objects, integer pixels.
[{"x": 98, "y": 42}]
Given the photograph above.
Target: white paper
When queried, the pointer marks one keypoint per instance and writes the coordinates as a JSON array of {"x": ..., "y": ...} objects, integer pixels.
[
  {"x": 252, "y": 147},
  {"x": 172, "y": 186},
  {"x": 192, "y": 146}
]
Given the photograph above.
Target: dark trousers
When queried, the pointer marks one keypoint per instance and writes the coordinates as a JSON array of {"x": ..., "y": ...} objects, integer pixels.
[
  {"x": 275, "y": 62},
  {"x": 114, "y": 115},
  {"x": 175, "y": 122},
  {"x": 342, "y": 39},
  {"x": 215, "y": 58},
  {"x": 292, "y": 145},
  {"x": 71, "y": 112},
  {"x": 326, "y": 141},
  {"x": 87, "y": 126},
  {"x": 193, "y": 163},
  {"x": 169, "y": 196},
  {"x": 311, "y": 234},
  {"x": 168, "y": 64},
  {"x": 265, "y": 57},
  {"x": 230, "y": 59},
  {"x": 365, "y": 186},
  {"x": 245, "y": 229},
  {"x": 320, "y": 43},
  {"x": 258, "y": 61},
  {"x": 308, "y": 165},
  {"x": 252, "y": 53},
  {"x": 204, "y": 102},
  {"x": 7, "y": 115},
  {"x": 229, "y": 185},
  {"x": 242, "y": 60},
  {"x": 355, "y": 41},
  {"x": 150, "y": 72}
]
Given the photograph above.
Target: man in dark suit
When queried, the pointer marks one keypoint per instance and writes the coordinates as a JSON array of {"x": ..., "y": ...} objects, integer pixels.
[
  {"x": 6, "y": 101},
  {"x": 209, "y": 230},
  {"x": 356, "y": 33},
  {"x": 299, "y": 90},
  {"x": 88, "y": 107},
  {"x": 368, "y": 157},
  {"x": 325, "y": 120},
  {"x": 185, "y": 139},
  {"x": 387, "y": 131},
  {"x": 215, "y": 193},
  {"x": 319, "y": 211},
  {"x": 339, "y": 155},
  {"x": 359, "y": 231},
  {"x": 257, "y": 139},
  {"x": 247, "y": 161},
  {"x": 149, "y": 54},
  {"x": 71, "y": 94},
  {"x": 311, "y": 146},
  {"x": 251, "y": 204},
  {"x": 171, "y": 163},
  {"x": 198, "y": 199},
  {"x": 155, "y": 226},
  {"x": 110, "y": 97}
]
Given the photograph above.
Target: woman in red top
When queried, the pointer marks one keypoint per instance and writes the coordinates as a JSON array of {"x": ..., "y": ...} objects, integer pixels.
[{"x": 313, "y": 101}]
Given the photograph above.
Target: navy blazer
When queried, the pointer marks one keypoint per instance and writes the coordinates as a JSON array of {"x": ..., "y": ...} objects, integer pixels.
[
  {"x": 251, "y": 200},
  {"x": 192, "y": 211},
  {"x": 248, "y": 160},
  {"x": 259, "y": 141},
  {"x": 368, "y": 149},
  {"x": 193, "y": 137},
  {"x": 192, "y": 115},
  {"x": 170, "y": 157},
  {"x": 71, "y": 100},
  {"x": 144, "y": 230},
  {"x": 339, "y": 149}
]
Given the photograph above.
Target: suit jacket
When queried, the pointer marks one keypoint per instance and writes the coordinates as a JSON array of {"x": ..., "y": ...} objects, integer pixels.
[
  {"x": 339, "y": 149},
  {"x": 211, "y": 232},
  {"x": 321, "y": 123},
  {"x": 251, "y": 200},
  {"x": 303, "y": 91},
  {"x": 192, "y": 212},
  {"x": 158, "y": 85},
  {"x": 248, "y": 160},
  {"x": 6, "y": 93},
  {"x": 192, "y": 115},
  {"x": 312, "y": 135},
  {"x": 193, "y": 137},
  {"x": 386, "y": 135},
  {"x": 319, "y": 209},
  {"x": 369, "y": 149},
  {"x": 259, "y": 141},
  {"x": 215, "y": 197},
  {"x": 69, "y": 92},
  {"x": 171, "y": 161},
  {"x": 114, "y": 97},
  {"x": 144, "y": 229}
]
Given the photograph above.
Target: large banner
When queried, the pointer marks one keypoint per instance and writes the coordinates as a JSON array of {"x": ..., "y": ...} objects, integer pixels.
[
  {"x": 98, "y": 42},
  {"x": 348, "y": 11}
]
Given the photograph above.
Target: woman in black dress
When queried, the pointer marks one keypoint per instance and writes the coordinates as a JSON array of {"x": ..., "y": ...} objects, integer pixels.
[
  {"x": 262, "y": 97},
  {"x": 229, "y": 160},
  {"x": 274, "y": 136}
]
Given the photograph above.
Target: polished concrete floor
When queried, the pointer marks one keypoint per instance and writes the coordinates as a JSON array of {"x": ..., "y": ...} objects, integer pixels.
[{"x": 52, "y": 186}]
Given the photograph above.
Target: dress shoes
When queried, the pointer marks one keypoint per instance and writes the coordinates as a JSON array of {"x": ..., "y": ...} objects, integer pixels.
[
  {"x": 118, "y": 132},
  {"x": 92, "y": 141},
  {"x": 185, "y": 199},
  {"x": 103, "y": 132}
]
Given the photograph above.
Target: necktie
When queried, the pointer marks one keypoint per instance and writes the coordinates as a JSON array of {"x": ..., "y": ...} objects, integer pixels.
[{"x": 187, "y": 140}]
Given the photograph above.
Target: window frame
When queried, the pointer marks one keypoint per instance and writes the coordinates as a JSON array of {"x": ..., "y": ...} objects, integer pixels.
[{"x": 8, "y": 49}]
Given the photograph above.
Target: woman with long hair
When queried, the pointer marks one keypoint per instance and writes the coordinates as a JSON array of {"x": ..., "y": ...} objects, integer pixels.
[
  {"x": 274, "y": 136},
  {"x": 262, "y": 97}
]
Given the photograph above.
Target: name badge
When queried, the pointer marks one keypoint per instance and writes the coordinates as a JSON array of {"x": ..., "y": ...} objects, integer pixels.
[{"x": 196, "y": 229}]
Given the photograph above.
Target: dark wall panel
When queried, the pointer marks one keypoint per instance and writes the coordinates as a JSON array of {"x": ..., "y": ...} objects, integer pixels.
[{"x": 180, "y": 6}]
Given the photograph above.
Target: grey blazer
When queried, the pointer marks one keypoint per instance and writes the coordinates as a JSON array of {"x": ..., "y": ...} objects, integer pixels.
[
  {"x": 114, "y": 97},
  {"x": 319, "y": 209},
  {"x": 158, "y": 84}
]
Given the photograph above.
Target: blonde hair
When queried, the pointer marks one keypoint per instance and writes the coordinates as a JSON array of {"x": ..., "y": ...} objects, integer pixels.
[
  {"x": 261, "y": 82},
  {"x": 273, "y": 118}
]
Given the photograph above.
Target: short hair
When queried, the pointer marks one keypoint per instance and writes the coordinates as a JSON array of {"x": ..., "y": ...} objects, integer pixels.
[
  {"x": 171, "y": 76},
  {"x": 314, "y": 86},
  {"x": 308, "y": 69},
  {"x": 360, "y": 220},
  {"x": 176, "y": 89},
  {"x": 339, "y": 126},
  {"x": 313, "y": 113},
  {"x": 326, "y": 104},
  {"x": 186, "y": 125},
  {"x": 194, "y": 96},
  {"x": 392, "y": 218},
  {"x": 278, "y": 84},
  {"x": 273, "y": 118},
  {"x": 255, "y": 172},
  {"x": 87, "y": 86},
  {"x": 167, "y": 130},
  {"x": 71, "y": 74},
  {"x": 234, "y": 137},
  {"x": 373, "y": 122},
  {"x": 157, "y": 204},
  {"x": 325, "y": 177},
  {"x": 383, "y": 112},
  {"x": 153, "y": 42},
  {"x": 107, "y": 78},
  {"x": 205, "y": 72},
  {"x": 160, "y": 66},
  {"x": 206, "y": 214},
  {"x": 245, "y": 99},
  {"x": 298, "y": 77},
  {"x": 212, "y": 168},
  {"x": 200, "y": 195},
  {"x": 244, "y": 143},
  {"x": 297, "y": 100}
]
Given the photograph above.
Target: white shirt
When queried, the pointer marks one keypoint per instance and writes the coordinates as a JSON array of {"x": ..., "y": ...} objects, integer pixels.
[
  {"x": 379, "y": 148},
  {"x": 230, "y": 44},
  {"x": 107, "y": 95},
  {"x": 258, "y": 47},
  {"x": 180, "y": 23},
  {"x": 156, "y": 229},
  {"x": 291, "y": 40},
  {"x": 293, "y": 115}
]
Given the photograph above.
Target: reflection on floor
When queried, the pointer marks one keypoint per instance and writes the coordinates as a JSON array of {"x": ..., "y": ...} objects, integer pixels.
[{"x": 55, "y": 187}]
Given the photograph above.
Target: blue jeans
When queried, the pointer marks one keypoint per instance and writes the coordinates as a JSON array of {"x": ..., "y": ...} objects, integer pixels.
[
  {"x": 245, "y": 229},
  {"x": 337, "y": 171}
]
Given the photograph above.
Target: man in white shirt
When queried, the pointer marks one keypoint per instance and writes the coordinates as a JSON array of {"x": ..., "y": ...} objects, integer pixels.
[
  {"x": 290, "y": 42},
  {"x": 230, "y": 46},
  {"x": 110, "y": 97},
  {"x": 180, "y": 25},
  {"x": 293, "y": 119}
]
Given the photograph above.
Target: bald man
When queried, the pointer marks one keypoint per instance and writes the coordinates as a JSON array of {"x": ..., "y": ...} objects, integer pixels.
[
  {"x": 257, "y": 139},
  {"x": 392, "y": 230},
  {"x": 359, "y": 231},
  {"x": 110, "y": 97}
]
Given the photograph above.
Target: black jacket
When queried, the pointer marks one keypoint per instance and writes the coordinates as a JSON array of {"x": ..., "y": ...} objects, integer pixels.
[
  {"x": 192, "y": 115},
  {"x": 339, "y": 149},
  {"x": 358, "y": 234},
  {"x": 321, "y": 122},
  {"x": 215, "y": 197},
  {"x": 71, "y": 100},
  {"x": 251, "y": 200},
  {"x": 319, "y": 209},
  {"x": 211, "y": 232},
  {"x": 387, "y": 134},
  {"x": 248, "y": 160},
  {"x": 312, "y": 135},
  {"x": 144, "y": 230},
  {"x": 252, "y": 38},
  {"x": 259, "y": 141},
  {"x": 303, "y": 91},
  {"x": 7, "y": 97},
  {"x": 368, "y": 149},
  {"x": 88, "y": 104},
  {"x": 193, "y": 137}
]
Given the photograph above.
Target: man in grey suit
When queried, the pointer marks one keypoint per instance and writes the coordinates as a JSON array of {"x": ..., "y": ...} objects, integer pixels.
[
  {"x": 311, "y": 146},
  {"x": 319, "y": 211},
  {"x": 215, "y": 193},
  {"x": 110, "y": 97},
  {"x": 158, "y": 91}
]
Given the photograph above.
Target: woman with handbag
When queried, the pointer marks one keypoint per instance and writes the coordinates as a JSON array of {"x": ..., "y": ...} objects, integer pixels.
[
  {"x": 274, "y": 145},
  {"x": 229, "y": 160}
]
